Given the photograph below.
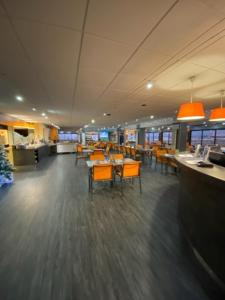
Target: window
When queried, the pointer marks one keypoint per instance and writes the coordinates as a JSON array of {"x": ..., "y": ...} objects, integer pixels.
[
  {"x": 153, "y": 137},
  {"x": 220, "y": 136},
  {"x": 208, "y": 137},
  {"x": 196, "y": 137},
  {"x": 167, "y": 137}
]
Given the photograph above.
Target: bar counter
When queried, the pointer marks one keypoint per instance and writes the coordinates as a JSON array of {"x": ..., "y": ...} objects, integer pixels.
[
  {"x": 31, "y": 155},
  {"x": 202, "y": 215}
]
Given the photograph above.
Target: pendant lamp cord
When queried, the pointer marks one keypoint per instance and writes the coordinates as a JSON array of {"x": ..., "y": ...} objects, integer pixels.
[
  {"x": 192, "y": 80},
  {"x": 221, "y": 99}
]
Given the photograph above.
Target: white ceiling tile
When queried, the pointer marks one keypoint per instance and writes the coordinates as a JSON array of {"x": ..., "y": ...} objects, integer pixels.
[
  {"x": 125, "y": 21},
  {"x": 186, "y": 21},
  {"x": 103, "y": 55},
  {"x": 62, "y": 13}
]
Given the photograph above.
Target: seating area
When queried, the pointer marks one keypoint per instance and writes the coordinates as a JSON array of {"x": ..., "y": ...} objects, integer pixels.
[
  {"x": 109, "y": 161},
  {"x": 112, "y": 150}
]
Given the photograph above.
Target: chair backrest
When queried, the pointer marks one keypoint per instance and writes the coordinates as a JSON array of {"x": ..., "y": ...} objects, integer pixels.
[
  {"x": 79, "y": 148},
  {"x": 160, "y": 152},
  {"x": 117, "y": 156},
  {"x": 97, "y": 156},
  {"x": 131, "y": 169},
  {"x": 98, "y": 151},
  {"x": 133, "y": 151},
  {"x": 102, "y": 172},
  {"x": 127, "y": 149},
  {"x": 171, "y": 151}
]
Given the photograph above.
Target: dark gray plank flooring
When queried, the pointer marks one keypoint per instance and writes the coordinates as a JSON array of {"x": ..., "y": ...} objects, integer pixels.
[{"x": 57, "y": 242}]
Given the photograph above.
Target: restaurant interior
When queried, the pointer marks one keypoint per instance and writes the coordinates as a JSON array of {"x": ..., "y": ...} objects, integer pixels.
[{"x": 112, "y": 149}]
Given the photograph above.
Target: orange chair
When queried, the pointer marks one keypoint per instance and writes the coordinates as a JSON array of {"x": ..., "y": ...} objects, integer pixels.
[
  {"x": 159, "y": 158},
  {"x": 79, "y": 154},
  {"x": 99, "y": 156},
  {"x": 118, "y": 156},
  {"x": 133, "y": 153},
  {"x": 127, "y": 149},
  {"x": 97, "y": 151},
  {"x": 102, "y": 172},
  {"x": 130, "y": 170}
]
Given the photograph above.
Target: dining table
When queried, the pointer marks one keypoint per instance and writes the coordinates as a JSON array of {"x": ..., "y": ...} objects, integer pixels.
[{"x": 115, "y": 162}]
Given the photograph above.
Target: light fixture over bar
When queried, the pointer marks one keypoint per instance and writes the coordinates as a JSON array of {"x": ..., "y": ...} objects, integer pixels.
[
  {"x": 218, "y": 114},
  {"x": 191, "y": 111}
]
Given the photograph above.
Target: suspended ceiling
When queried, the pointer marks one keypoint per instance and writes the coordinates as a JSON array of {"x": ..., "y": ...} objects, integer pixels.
[{"x": 75, "y": 60}]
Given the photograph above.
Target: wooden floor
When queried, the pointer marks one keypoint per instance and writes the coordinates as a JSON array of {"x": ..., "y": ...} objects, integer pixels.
[{"x": 57, "y": 242}]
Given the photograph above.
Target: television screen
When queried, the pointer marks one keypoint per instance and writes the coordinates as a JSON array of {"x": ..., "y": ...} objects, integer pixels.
[
  {"x": 68, "y": 136},
  {"x": 104, "y": 135},
  {"x": 131, "y": 137}
]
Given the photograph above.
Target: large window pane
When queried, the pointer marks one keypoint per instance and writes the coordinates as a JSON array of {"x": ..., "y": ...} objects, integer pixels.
[
  {"x": 167, "y": 137},
  {"x": 208, "y": 137},
  {"x": 196, "y": 137},
  {"x": 220, "y": 136}
]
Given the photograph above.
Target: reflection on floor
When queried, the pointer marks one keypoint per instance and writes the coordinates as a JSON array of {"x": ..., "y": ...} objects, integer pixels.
[{"x": 59, "y": 243}]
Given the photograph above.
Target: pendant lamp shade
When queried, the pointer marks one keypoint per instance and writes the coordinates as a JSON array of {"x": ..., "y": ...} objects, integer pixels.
[
  {"x": 191, "y": 111},
  {"x": 218, "y": 114}
]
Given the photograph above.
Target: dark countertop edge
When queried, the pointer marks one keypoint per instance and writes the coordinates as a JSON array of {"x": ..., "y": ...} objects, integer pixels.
[{"x": 217, "y": 172}]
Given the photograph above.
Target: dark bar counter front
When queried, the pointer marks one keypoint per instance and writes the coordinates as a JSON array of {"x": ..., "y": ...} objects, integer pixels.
[{"x": 202, "y": 215}]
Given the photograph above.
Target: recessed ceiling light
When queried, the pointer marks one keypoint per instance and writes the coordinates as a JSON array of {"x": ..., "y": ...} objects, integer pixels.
[
  {"x": 34, "y": 109},
  {"x": 153, "y": 128},
  {"x": 143, "y": 104},
  {"x": 151, "y": 117},
  {"x": 136, "y": 120},
  {"x": 43, "y": 114},
  {"x": 168, "y": 128},
  {"x": 149, "y": 85},
  {"x": 92, "y": 121},
  {"x": 19, "y": 98},
  {"x": 126, "y": 123}
]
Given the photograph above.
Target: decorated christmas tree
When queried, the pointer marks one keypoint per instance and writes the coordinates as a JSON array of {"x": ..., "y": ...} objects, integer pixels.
[{"x": 6, "y": 168}]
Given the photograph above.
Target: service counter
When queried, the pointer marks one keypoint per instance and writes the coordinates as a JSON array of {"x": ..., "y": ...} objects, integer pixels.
[
  {"x": 31, "y": 155},
  {"x": 202, "y": 215}
]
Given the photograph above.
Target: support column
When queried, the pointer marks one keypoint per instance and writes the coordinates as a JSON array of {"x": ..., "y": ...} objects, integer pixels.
[
  {"x": 182, "y": 137},
  {"x": 141, "y": 136}
]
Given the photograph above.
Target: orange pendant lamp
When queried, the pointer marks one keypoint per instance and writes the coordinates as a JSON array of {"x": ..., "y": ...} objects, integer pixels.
[
  {"x": 218, "y": 114},
  {"x": 191, "y": 111}
]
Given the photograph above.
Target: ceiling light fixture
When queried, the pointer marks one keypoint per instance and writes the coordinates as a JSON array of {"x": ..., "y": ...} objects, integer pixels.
[
  {"x": 19, "y": 98},
  {"x": 191, "y": 111},
  {"x": 149, "y": 85},
  {"x": 43, "y": 114},
  {"x": 151, "y": 117},
  {"x": 92, "y": 121},
  {"x": 34, "y": 109},
  {"x": 218, "y": 114}
]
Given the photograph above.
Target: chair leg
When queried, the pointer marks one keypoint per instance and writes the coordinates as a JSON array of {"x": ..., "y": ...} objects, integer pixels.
[{"x": 140, "y": 184}]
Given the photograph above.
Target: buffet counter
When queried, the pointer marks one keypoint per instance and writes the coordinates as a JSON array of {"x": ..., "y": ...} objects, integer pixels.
[
  {"x": 66, "y": 147},
  {"x": 31, "y": 155},
  {"x": 202, "y": 215}
]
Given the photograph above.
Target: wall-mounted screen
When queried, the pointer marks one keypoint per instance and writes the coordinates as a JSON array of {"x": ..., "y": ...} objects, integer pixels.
[
  {"x": 104, "y": 135},
  {"x": 131, "y": 137},
  {"x": 68, "y": 136}
]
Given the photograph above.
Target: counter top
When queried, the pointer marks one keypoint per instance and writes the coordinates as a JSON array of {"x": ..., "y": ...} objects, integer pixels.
[{"x": 216, "y": 172}]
